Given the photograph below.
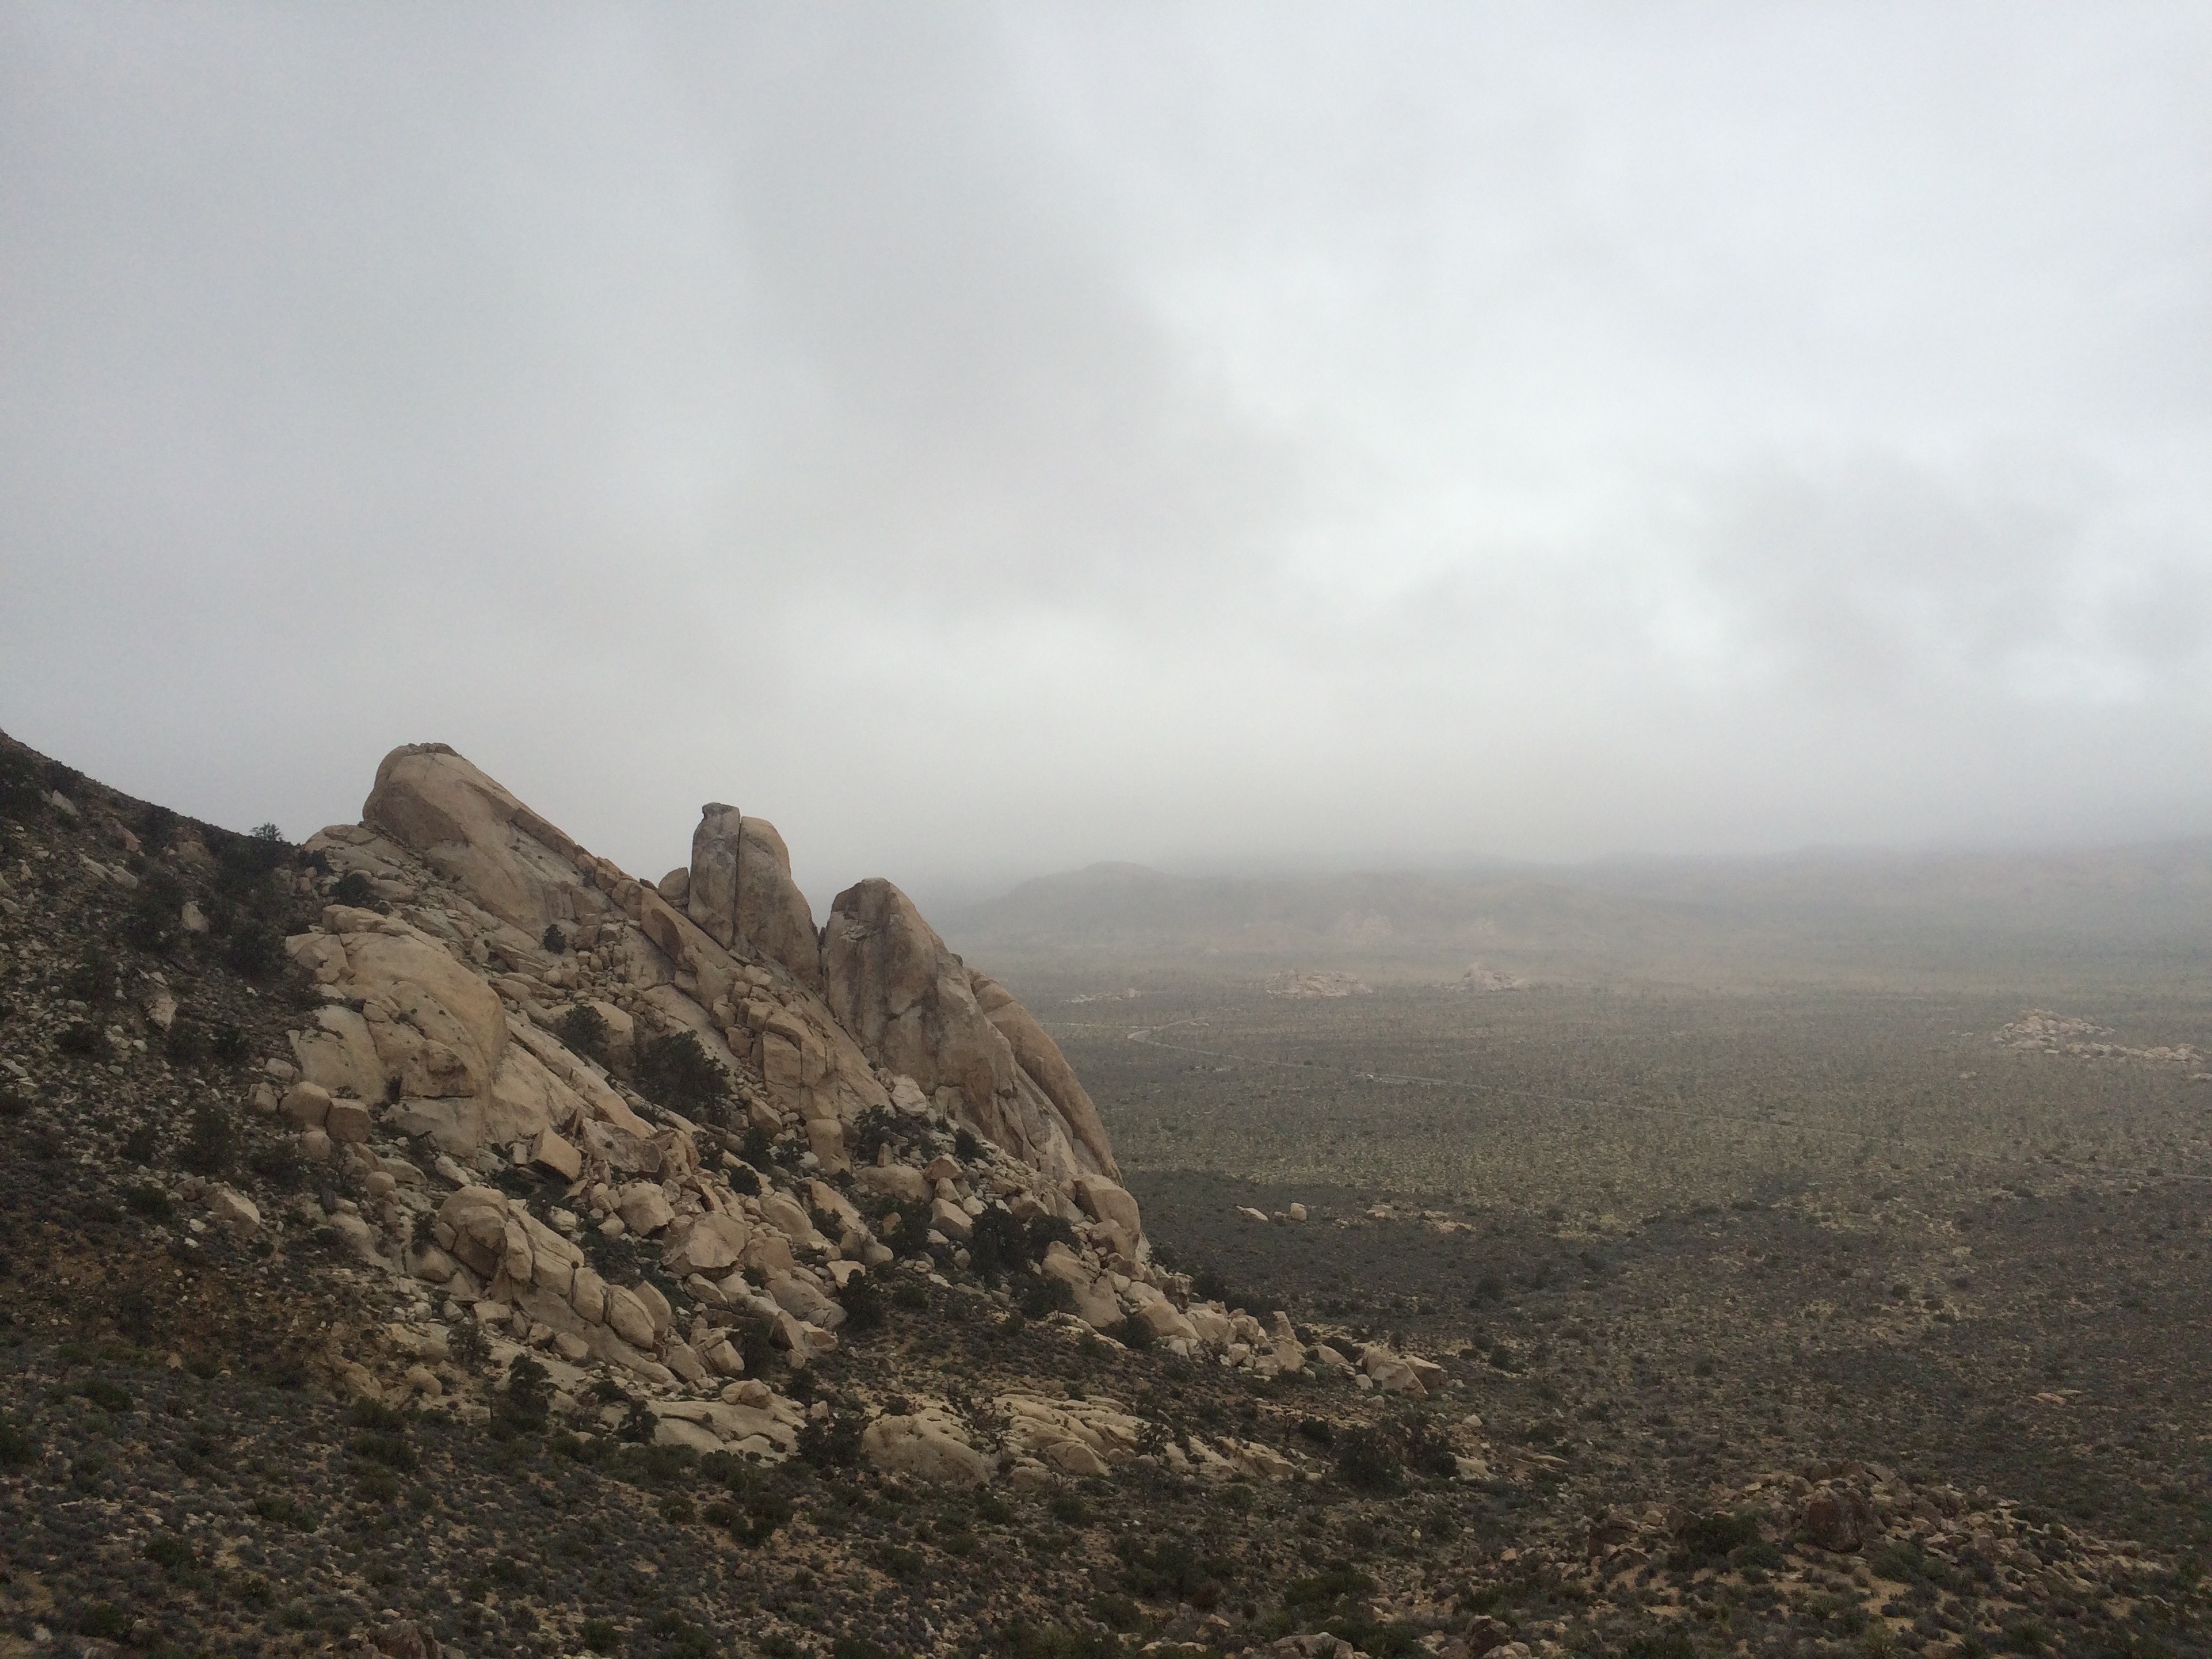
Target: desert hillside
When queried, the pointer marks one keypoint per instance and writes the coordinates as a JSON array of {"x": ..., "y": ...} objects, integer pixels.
[{"x": 428, "y": 1237}]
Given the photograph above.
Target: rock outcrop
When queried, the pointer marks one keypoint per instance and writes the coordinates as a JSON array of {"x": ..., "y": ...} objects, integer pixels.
[
  {"x": 741, "y": 891},
  {"x": 913, "y": 1007},
  {"x": 495, "y": 990}
]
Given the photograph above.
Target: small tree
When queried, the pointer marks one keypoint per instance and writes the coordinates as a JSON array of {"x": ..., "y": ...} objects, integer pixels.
[
  {"x": 677, "y": 1072},
  {"x": 583, "y": 1029}
]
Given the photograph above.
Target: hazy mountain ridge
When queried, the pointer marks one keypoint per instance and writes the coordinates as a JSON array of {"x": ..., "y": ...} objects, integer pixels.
[{"x": 1627, "y": 915}]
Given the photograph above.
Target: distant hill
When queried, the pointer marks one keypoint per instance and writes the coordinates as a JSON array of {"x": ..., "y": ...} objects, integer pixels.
[
  {"x": 1127, "y": 909},
  {"x": 1814, "y": 908}
]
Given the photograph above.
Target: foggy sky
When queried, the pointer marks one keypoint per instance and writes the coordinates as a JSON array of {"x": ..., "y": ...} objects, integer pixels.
[{"x": 985, "y": 441}]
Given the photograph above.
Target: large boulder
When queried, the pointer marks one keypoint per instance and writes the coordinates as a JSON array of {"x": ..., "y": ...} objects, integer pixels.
[
  {"x": 474, "y": 832},
  {"x": 1040, "y": 1057},
  {"x": 929, "y": 1444},
  {"x": 741, "y": 892},
  {"x": 911, "y": 1006},
  {"x": 425, "y": 1023}
]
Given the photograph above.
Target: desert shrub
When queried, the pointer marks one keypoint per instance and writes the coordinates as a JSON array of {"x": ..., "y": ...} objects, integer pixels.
[
  {"x": 280, "y": 1164},
  {"x": 392, "y": 1450},
  {"x": 1023, "y": 1640},
  {"x": 22, "y": 791},
  {"x": 583, "y": 1029},
  {"x": 1907, "y": 1563},
  {"x": 255, "y": 952},
  {"x": 1042, "y": 1296},
  {"x": 752, "y": 1513},
  {"x": 353, "y": 889},
  {"x": 879, "y": 1127},
  {"x": 553, "y": 940},
  {"x": 1368, "y": 1461},
  {"x": 1169, "y": 1570},
  {"x": 528, "y": 1396},
  {"x": 1137, "y": 1336},
  {"x": 168, "y": 1551},
  {"x": 467, "y": 1346},
  {"x": 243, "y": 861},
  {"x": 213, "y": 1141},
  {"x": 284, "y": 1512},
  {"x": 909, "y": 1294},
  {"x": 905, "y": 1226},
  {"x": 108, "y": 1396},
  {"x": 80, "y": 1038},
  {"x": 862, "y": 1298},
  {"x": 1705, "y": 1541},
  {"x": 638, "y": 1424},
  {"x": 229, "y": 1044},
  {"x": 996, "y": 1245},
  {"x": 676, "y": 1072},
  {"x": 149, "y": 1201},
  {"x": 142, "y": 1145},
  {"x": 831, "y": 1445},
  {"x": 1425, "y": 1450},
  {"x": 17, "y": 1450},
  {"x": 103, "y": 1620},
  {"x": 600, "y": 1637},
  {"x": 857, "y": 1647},
  {"x": 93, "y": 978},
  {"x": 187, "y": 1043},
  {"x": 1317, "y": 1591},
  {"x": 152, "y": 921},
  {"x": 754, "y": 1337},
  {"x": 1208, "y": 1285},
  {"x": 966, "y": 1147},
  {"x": 743, "y": 1178}
]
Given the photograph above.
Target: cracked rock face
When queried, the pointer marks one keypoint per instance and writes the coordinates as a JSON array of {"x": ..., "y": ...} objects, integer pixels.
[{"x": 831, "y": 1021}]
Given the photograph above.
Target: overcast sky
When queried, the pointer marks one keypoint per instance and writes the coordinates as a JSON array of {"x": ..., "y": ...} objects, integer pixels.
[{"x": 985, "y": 441}]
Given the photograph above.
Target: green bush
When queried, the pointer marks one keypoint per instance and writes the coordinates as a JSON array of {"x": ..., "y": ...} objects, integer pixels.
[
  {"x": 352, "y": 889},
  {"x": 80, "y": 1038},
  {"x": 1169, "y": 1570},
  {"x": 754, "y": 1337},
  {"x": 831, "y": 1445},
  {"x": 1705, "y": 1541},
  {"x": 528, "y": 1396},
  {"x": 1316, "y": 1591},
  {"x": 600, "y": 1637},
  {"x": 169, "y": 1552},
  {"x": 228, "y": 1045},
  {"x": 213, "y": 1141},
  {"x": 22, "y": 791},
  {"x": 108, "y": 1396},
  {"x": 676, "y": 1072},
  {"x": 863, "y": 1300},
  {"x": 879, "y": 1127},
  {"x": 1042, "y": 1296},
  {"x": 17, "y": 1451},
  {"x": 1023, "y": 1640},
  {"x": 103, "y": 1619},
  {"x": 467, "y": 1346},
  {"x": 94, "y": 977},
  {"x": 1366, "y": 1461},
  {"x": 187, "y": 1043},
  {"x": 153, "y": 921},
  {"x": 583, "y": 1029},
  {"x": 255, "y": 952}
]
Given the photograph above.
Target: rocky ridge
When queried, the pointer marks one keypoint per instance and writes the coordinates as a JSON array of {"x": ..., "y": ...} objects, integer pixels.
[
  {"x": 878, "y": 1083},
  {"x": 538, "y": 1308}
]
